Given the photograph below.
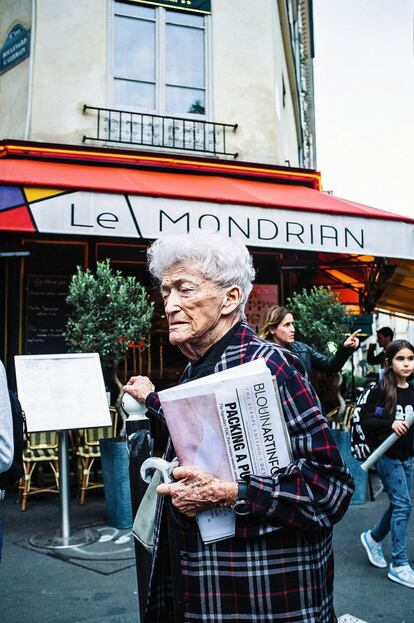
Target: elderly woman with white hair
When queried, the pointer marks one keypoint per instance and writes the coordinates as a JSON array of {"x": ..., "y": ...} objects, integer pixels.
[{"x": 279, "y": 565}]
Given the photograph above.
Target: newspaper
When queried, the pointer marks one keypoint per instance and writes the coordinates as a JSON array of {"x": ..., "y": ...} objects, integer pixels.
[{"x": 229, "y": 424}]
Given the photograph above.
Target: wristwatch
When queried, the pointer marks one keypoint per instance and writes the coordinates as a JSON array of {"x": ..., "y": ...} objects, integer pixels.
[{"x": 240, "y": 506}]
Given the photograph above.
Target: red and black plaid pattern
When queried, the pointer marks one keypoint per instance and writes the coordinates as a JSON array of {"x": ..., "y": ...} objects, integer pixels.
[
  {"x": 285, "y": 576},
  {"x": 279, "y": 567}
]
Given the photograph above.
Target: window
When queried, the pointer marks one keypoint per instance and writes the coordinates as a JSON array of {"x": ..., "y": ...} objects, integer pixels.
[{"x": 159, "y": 60}]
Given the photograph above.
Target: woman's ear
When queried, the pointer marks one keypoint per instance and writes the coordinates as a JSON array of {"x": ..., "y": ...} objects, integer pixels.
[{"x": 231, "y": 300}]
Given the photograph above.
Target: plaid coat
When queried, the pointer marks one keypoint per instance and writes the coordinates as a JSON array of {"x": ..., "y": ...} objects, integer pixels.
[{"x": 279, "y": 566}]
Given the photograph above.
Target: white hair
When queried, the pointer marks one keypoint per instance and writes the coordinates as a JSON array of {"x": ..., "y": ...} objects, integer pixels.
[{"x": 224, "y": 261}]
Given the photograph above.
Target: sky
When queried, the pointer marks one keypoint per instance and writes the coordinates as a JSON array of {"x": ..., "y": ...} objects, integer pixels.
[{"x": 364, "y": 98}]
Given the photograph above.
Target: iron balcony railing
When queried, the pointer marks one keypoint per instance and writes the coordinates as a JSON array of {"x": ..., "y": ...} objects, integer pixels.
[{"x": 132, "y": 128}]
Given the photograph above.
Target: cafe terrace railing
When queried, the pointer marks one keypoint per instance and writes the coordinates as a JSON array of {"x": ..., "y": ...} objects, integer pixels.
[{"x": 132, "y": 128}]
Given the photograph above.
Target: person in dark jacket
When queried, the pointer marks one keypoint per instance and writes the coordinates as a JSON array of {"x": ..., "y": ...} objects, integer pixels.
[
  {"x": 385, "y": 336},
  {"x": 279, "y": 327}
]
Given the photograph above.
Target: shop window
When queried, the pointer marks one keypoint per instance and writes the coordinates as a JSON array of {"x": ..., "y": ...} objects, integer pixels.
[
  {"x": 130, "y": 259},
  {"x": 159, "y": 60},
  {"x": 266, "y": 289},
  {"x": 267, "y": 266},
  {"x": 161, "y": 361},
  {"x": 44, "y": 285}
]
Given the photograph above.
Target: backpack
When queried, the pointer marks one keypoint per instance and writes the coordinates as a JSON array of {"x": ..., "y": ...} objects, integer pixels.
[
  {"x": 15, "y": 471},
  {"x": 360, "y": 448}
]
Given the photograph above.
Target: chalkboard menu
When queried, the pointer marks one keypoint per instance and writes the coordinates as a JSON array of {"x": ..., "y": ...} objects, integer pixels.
[{"x": 46, "y": 314}]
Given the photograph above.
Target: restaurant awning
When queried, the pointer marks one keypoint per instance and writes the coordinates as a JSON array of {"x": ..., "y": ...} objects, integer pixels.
[
  {"x": 81, "y": 191},
  {"x": 398, "y": 290},
  {"x": 191, "y": 186}
]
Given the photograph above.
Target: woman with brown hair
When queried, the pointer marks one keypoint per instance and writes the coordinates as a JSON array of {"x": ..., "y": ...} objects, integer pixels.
[{"x": 279, "y": 327}]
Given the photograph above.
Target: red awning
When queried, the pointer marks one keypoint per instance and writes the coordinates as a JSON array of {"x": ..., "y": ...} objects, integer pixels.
[{"x": 190, "y": 186}]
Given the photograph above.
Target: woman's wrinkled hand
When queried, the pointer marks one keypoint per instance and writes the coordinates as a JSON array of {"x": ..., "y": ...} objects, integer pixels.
[
  {"x": 139, "y": 387},
  {"x": 195, "y": 491}
]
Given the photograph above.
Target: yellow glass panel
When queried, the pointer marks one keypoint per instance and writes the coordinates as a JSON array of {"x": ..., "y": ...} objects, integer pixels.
[{"x": 35, "y": 194}]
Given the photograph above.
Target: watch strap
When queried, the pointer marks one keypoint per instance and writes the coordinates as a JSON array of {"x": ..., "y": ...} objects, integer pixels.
[
  {"x": 242, "y": 492},
  {"x": 240, "y": 506}
]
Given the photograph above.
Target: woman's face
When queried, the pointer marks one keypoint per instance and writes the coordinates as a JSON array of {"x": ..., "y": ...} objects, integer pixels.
[
  {"x": 284, "y": 332},
  {"x": 197, "y": 309}
]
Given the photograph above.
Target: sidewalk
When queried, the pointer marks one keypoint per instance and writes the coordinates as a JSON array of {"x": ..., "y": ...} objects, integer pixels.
[
  {"x": 45, "y": 588},
  {"x": 361, "y": 589},
  {"x": 39, "y": 588}
]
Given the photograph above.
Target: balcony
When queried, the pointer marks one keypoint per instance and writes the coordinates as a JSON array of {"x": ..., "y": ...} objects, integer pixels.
[{"x": 131, "y": 128}]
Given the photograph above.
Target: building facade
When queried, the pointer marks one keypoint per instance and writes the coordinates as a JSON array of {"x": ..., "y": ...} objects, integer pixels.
[
  {"x": 207, "y": 81},
  {"x": 123, "y": 120},
  {"x": 174, "y": 68}
]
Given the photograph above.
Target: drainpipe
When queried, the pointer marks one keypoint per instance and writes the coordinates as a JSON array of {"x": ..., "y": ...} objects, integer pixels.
[{"x": 31, "y": 65}]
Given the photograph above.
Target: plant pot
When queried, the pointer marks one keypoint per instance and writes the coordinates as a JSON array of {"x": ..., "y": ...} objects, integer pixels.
[
  {"x": 342, "y": 439},
  {"x": 115, "y": 472}
]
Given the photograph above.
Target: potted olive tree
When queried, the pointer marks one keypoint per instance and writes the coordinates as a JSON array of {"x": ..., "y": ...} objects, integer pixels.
[
  {"x": 322, "y": 321},
  {"x": 319, "y": 317},
  {"x": 109, "y": 312}
]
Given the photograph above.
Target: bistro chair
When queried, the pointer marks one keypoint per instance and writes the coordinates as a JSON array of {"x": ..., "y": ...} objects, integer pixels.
[
  {"x": 345, "y": 417},
  {"x": 41, "y": 448},
  {"x": 88, "y": 452}
]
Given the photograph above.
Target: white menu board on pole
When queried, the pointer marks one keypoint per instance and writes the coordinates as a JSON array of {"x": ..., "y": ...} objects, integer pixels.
[{"x": 62, "y": 392}]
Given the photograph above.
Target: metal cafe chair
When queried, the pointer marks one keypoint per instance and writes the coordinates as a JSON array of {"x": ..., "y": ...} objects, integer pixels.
[
  {"x": 41, "y": 448},
  {"x": 88, "y": 451},
  {"x": 346, "y": 416}
]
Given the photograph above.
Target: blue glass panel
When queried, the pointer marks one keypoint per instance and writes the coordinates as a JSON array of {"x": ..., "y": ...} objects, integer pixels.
[
  {"x": 134, "y": 94},
  {"x": 185, "y": 100},
  {"x": 180, "y": 17},
  {"x": 11, "y": 196},
  {"x": 185, "y": 56},
  {"x": 134, "y": 49},
  {"x": 134, "y": 10}
]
